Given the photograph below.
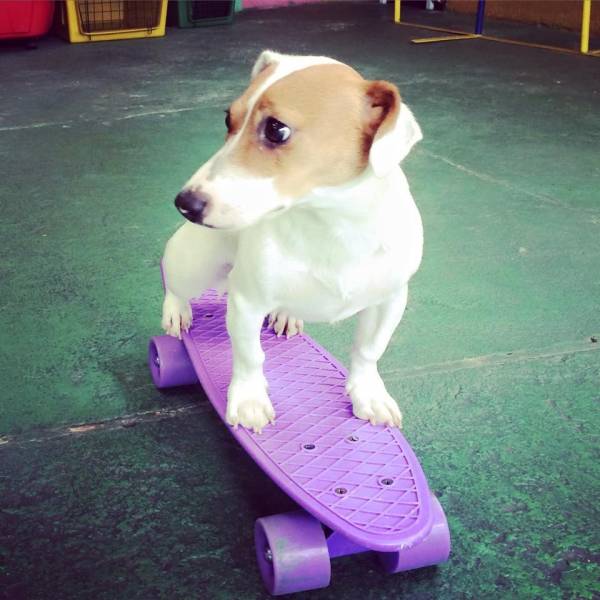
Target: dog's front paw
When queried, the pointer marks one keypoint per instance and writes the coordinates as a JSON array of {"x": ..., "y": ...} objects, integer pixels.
[
  {"x": 176, "y": 315},
  {"x": 248, "y": 405},
  {"x": 282, "y": 323},
  {"x": 371, "y": 401}
]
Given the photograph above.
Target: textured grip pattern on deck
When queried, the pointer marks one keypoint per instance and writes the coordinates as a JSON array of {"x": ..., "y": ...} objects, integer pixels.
[{"x": 358, "y": 471}]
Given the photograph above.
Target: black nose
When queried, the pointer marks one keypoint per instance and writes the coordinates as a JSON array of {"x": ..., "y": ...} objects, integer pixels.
[{"x": 191, "y": 204}]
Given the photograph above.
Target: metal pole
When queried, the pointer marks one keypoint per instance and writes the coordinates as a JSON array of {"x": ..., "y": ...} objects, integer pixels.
[
  {"x": 480, "y": 16},
  {"x": 585, "y": 26}
]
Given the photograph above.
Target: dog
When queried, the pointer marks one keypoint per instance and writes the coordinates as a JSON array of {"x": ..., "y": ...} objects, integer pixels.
[{"x": 304, "y": 214}]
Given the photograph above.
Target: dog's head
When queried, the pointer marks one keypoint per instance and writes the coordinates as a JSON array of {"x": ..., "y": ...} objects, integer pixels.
[{"x": 304, "y": 122}]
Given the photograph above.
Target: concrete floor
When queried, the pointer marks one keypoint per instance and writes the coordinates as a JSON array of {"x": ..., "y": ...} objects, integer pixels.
[{"x": 496, "y": 364}]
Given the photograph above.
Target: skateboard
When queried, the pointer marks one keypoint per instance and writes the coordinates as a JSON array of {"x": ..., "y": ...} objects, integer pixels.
[{"x": 359, "y": 487}]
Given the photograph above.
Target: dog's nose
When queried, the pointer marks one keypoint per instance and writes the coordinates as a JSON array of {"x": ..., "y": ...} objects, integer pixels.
[{"x": 191, "y": 204}]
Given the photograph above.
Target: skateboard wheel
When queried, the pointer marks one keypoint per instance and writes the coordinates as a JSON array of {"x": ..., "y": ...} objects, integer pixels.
[
  {"x": 292, "y": 554},
  {"x": 169, "y": 362},
  {"x": 434, "y": 549}
]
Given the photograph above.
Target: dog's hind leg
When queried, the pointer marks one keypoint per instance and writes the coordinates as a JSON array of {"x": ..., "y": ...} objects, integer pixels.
[
  {"x": 282, "y": 323},
  {"x": 196, "y": 258},
  {"x": 370, "y": 398}
]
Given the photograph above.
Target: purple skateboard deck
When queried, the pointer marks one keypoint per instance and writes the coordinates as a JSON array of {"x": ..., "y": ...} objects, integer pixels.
[{"x": 363, "y": 482}]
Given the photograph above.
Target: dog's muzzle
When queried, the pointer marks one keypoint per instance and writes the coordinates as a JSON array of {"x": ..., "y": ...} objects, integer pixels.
[{"x": 191, "y": 205}]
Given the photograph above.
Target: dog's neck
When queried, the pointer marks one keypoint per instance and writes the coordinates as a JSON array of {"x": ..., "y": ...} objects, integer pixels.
[
  {"x": 350, "y": 212},
  {"x": 348, "y": 198},
  {"x": 345, "y": 219},
  {"x": 329, "y": 234}
]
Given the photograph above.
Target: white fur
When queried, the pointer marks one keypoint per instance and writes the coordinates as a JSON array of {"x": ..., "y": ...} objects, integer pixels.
[{"x": 336, "y": 252}]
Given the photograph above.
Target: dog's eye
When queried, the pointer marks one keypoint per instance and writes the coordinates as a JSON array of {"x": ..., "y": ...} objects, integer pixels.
[
  {"x": 276, "y": 132},
  {"x": 228, "y": 119}
]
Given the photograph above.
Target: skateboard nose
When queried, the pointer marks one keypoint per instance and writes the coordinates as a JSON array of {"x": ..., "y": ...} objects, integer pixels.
[{"x": 191, "y": 204}]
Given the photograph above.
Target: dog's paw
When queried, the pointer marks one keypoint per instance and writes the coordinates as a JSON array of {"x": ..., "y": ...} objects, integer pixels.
[
  {"x": 248, "y": 405},
  {"x": 371, "y": 401},
  {"x": 176, "y": 315},
  {"x": 281, "y": 323}
]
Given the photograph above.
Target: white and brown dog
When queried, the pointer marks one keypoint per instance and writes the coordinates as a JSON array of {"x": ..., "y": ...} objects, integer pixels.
[{"x": 304, "y": 211}]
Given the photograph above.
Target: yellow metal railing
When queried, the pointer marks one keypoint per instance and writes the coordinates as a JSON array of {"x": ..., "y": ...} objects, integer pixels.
[{"x": 464, "y": 35}]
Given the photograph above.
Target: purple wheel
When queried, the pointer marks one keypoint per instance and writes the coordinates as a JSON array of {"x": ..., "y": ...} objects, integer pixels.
[
  {"x": 434, "y": 549},
  {"x": 292, "y": 554},
  {"x": 169, "y": 362}
]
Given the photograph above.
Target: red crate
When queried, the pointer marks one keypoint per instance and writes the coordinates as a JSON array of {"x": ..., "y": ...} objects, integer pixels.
[{"x": 25, "y": 18}]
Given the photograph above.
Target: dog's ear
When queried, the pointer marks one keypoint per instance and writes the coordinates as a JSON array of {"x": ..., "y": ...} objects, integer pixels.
[
  {"x": 266, "y": 59},
  {"x": 390, "y": 125}
]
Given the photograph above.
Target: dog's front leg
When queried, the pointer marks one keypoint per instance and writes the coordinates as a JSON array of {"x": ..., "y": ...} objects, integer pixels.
[
  {"x": 248, "y": 403},
  {"x": 370, "y": 399},
  {"x": 195, "y": 259}
]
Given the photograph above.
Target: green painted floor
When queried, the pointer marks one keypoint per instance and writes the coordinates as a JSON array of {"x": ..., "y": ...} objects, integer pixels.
[{"x": 496, "y": 364}]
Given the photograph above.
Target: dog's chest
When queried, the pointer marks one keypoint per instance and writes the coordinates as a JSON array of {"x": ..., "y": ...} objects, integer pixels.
[
  {"x": 318, "y": 278},
  {"x": 319, "y": 265},
  {"x": 324, "y": 294}
]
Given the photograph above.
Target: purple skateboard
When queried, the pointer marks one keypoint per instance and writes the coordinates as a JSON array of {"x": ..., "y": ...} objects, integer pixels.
[{"x": 360, "y": 486}]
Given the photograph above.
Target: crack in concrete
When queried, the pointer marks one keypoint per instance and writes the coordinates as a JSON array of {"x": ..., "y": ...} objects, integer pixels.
[
  {"x": 131, "y": 420},
  {"x": 496, "y": 359},
  {"x": 120, "y": 422}
]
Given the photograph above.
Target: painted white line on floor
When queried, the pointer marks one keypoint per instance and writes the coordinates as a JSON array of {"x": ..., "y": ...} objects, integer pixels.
[
  {"x": 34, "y": 126},
  {"x": 505, "y": 184},
  {"x": 67, "y": 124},
  {"x": 168, "y": 111}
]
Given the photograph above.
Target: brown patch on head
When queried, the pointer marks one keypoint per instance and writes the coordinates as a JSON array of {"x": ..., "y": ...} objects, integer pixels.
[
  {"x": 333, "y": 113},
  {"x": 238, "y": 109}
]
